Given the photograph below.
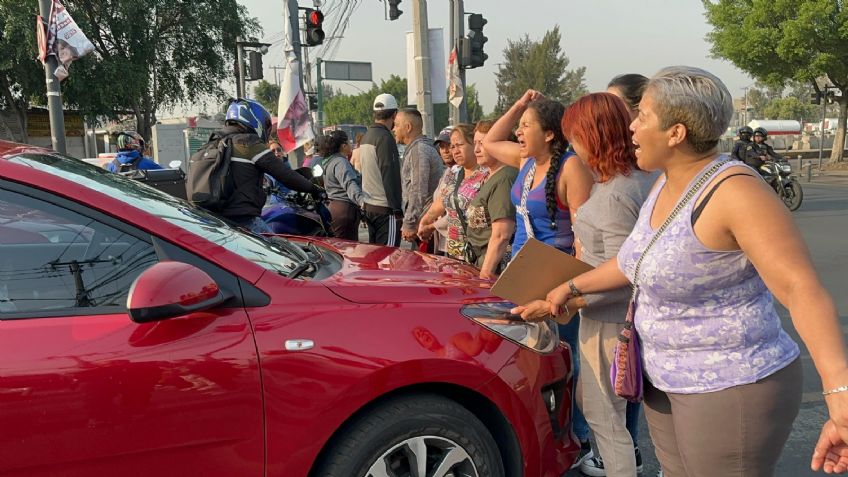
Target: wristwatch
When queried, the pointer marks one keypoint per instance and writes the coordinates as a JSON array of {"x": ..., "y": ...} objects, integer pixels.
[{"x": 574, "y": 290}]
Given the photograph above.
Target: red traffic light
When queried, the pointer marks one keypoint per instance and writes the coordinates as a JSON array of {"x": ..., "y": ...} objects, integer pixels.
[{"x": 314, "y": 17}]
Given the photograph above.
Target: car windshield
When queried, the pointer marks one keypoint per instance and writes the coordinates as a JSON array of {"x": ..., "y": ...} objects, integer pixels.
[{"x": 176, "y": 211}]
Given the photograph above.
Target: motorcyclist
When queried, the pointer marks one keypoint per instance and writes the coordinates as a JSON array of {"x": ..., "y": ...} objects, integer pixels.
[
  {"x": 744, "y": 145},
  {"x": 762, "y": 150},
  {"x": 248, "y": 124},
  {"x": 130, "y": 155}
]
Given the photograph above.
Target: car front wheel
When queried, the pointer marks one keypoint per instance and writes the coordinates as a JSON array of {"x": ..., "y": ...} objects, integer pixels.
[{"x": 414, "y": 436}]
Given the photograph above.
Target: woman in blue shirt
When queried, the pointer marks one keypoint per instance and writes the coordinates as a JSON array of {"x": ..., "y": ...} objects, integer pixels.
[{"x": 551, "y": 184}]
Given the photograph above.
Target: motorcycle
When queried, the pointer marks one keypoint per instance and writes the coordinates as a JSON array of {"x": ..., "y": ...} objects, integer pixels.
[
  {"x": 295, "y": 213},
  {"x": 778, "y": 174}
]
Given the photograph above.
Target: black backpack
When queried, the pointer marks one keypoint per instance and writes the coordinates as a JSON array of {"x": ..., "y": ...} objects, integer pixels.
[
  {"x": 210, "y": 183},
  {"x": 126, "y": 167}
]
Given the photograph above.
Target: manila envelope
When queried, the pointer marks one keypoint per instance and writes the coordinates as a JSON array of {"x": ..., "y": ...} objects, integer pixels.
[{"x": 537, "y": 269}]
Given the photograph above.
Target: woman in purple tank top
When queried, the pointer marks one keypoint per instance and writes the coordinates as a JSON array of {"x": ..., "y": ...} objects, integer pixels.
[{"x": 723, "y": 379}]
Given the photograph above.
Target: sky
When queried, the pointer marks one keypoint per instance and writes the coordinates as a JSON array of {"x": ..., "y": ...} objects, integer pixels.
[{"x": 608, "y": 37}]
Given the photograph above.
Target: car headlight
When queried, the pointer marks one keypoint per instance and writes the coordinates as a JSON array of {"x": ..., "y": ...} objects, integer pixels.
[{"x": 539, "y": 336}]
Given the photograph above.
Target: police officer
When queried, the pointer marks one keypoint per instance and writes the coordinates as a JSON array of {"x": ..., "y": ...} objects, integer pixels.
[
  {"x": 763, "y": 149},
  {"x": 743, "y": 146}
]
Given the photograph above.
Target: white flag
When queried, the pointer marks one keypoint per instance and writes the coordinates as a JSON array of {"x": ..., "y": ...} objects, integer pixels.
[
  {"x": 294, "y": 128},
  {"x": 63, "y": 39},
  {"x": 455, "y": 90}
]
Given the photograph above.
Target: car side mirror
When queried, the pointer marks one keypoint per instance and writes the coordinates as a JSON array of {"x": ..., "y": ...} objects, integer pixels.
[{"x": 170, "y": 289}]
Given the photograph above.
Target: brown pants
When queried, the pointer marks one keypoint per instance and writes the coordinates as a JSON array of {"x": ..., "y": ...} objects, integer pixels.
[
  {"x": 345, "y": 219},
  {"x": 737, "y": 432}
]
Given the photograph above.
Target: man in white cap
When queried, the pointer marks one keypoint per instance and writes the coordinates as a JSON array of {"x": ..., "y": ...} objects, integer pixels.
[{"x": 380, "y": 163}]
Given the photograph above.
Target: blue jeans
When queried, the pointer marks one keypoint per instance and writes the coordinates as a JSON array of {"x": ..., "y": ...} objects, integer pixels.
[
  {"x": 632, "y": 419},
  {"x": 569, "y": 334}
]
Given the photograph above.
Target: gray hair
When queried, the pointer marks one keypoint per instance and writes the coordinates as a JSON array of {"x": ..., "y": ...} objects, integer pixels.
[{"x": 694, "y": 98}]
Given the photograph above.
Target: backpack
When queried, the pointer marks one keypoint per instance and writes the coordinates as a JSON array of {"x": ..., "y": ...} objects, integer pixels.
[
  {"x": 126, "y": 167},
  {"x": 209, "y": 183}
]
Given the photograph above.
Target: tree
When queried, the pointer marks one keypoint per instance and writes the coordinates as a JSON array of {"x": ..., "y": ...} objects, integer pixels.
[
  {"x": 791, "y": 108},
  {"x": 358, "y": 109},
  {"x": 539, "y": 65},
  {"x": 268, "y": 94},
  {"x": 475, "y": 110},
  {"x": 785, "y": 40},
  {"x": 21, "y": 75},
  {"x": 148, "y": 55}
]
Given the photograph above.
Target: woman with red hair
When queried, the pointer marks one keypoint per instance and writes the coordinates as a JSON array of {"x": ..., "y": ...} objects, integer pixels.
[{"x": 597, "y": 127}]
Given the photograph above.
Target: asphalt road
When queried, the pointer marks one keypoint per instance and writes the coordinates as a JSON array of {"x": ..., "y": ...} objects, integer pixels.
[{"x": 823, "y": 220}]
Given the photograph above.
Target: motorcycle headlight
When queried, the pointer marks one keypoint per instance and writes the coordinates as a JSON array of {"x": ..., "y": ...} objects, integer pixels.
[
  {"x": 539, "y": 336},
  {"x": 317, "y": 170},
  {"x": 784, "y": 167}
]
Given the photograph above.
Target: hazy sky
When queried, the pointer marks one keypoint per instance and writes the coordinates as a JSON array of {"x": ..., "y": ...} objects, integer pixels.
[{"x": 608, "y": 37}]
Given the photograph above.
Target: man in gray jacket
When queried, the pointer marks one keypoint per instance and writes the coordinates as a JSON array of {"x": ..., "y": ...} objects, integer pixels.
[
  {"x": 421, "y": 170},
  {"x": 380, "y": 164}
]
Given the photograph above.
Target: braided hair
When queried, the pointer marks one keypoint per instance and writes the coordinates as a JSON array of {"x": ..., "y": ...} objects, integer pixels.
[{"x": 549, "y": 114}]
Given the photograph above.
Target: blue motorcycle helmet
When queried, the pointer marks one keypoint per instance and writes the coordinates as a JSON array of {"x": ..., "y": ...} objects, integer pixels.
[{"x": 250, "y": 114}]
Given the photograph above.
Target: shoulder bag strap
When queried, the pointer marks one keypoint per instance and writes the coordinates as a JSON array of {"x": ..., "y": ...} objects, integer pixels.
[
  {"x": 680, "y": 205},
  {"x": 460, "y": 176}
]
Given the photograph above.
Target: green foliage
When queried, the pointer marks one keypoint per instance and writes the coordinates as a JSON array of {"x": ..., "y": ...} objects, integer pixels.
[
  {"x": 781, "y": 40},
  {"x": 268, "y": 94},
  {"x": 539, "y": 65},
  {"x": 792, "y": 108},
  {"x": 149, "y": 54},
  {"x": 21, "y": 75},
  {"x": 358, "y": 109},
  {"x": 472, "y": 99}
]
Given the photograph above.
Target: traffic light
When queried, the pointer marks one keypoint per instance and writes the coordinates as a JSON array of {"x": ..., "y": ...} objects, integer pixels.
[
  {"x": 815, "y": 97},
  {"x": 314, "y": 28},
  {"x": 313, "y": 102},
  {"x": 254, "y": 68},
  {"x": 473, "y": 55},
  {"x": 394, "y": 11}
]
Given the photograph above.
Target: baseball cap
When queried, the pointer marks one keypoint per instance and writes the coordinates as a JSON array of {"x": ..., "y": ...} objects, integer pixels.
[
  {"x": 385, "y": 101},
  {"x": 444, "y": 136}
]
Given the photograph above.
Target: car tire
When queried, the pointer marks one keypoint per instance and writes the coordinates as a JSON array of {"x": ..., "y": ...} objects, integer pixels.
[{"x": 392, "y": 436}]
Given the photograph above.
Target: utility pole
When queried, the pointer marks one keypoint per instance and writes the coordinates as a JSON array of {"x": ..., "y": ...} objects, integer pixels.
[
  {"x": 821, "y": 130},
  {"x": 421, "y": 54},
  {"x": 458, "y": 31},
  {"x": 276, "y": 76},
  {"x": 54, "y": 91},
  {"x": 294, "y": 25}
]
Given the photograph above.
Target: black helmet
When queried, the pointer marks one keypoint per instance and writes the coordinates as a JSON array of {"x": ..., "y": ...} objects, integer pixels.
[
  {"x": 745, "y": 130},
  {"x": 762, "y": 132}
]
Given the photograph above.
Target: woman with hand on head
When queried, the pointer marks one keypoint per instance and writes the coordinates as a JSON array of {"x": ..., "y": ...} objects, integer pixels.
[
  {"x": 459, "y": 185},
  {"x": 551, "y": 184},
  {"x": 723, "y": 379}
]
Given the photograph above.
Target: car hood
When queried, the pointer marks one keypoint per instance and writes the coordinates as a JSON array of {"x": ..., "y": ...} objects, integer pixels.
[{"x": 379, "y": 274}]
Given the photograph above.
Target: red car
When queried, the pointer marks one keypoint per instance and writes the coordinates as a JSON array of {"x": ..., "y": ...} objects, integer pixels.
[{"x": 142, "y": 336}]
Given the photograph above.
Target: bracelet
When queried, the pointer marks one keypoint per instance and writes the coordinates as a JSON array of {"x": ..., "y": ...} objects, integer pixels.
[
  {"x": 574, "y": 290},
  {"x": 840, "y": 389}
]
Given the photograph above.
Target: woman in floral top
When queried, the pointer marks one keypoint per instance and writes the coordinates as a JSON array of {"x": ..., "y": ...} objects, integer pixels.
[{"x": 450, "y": 201}]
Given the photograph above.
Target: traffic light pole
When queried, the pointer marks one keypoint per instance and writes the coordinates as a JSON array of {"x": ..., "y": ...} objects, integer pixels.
[
  {"x": 319, "y": 80},
  {"x": 459, "y": 115},
  {"x": 54, "y": 91},
  {"x": 239, "y": 69},
  {"x": 421, "y": 53}
]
